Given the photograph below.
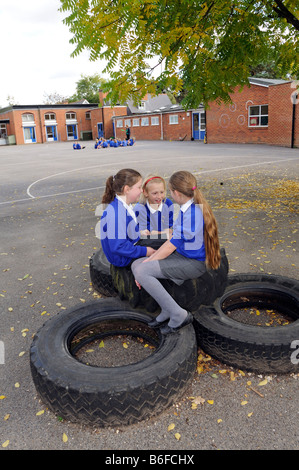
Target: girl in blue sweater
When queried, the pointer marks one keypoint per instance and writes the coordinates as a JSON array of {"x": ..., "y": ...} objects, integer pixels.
[
  {"x": 119, "y": 231},
  {"x": 154, "y": 212},
  {"x": 193, "y": 246}
]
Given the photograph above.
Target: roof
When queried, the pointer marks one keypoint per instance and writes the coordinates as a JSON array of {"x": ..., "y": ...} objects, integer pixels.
[
  {"x": 150, "y": 104},
  {"x": 267, "y": 81}
]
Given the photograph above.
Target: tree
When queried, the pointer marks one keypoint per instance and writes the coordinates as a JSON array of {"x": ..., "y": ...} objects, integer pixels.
[
  {"x": 54, "y": 98},
  {"x": 209, "y": 46},
  {"x": 88, "y": 88}
]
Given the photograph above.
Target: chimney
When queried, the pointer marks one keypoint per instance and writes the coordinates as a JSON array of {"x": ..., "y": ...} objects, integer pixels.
[{"x": 102, "y": 96}]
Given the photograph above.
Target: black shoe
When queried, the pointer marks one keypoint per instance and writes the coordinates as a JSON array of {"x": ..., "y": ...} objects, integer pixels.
[
  {"x": 156, "y": 324},
  {"x": 168, "y": 330}
]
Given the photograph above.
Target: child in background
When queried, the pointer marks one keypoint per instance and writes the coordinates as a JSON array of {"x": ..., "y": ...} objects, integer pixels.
[
  {"x": 194, "y": 244},
  {"x": 154, "y": 212},
  {"x": 118, "y": 224}
]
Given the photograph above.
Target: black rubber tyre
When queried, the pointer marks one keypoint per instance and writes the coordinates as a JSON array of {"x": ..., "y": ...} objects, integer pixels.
[
  {"x": 190, "y": 295},
  {"x": 109, "y": 396},
  {"x": 99, "y": 269},
  {"x": 260, "y": 349}
]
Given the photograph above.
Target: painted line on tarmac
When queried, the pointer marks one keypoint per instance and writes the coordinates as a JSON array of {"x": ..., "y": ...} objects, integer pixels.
[{"x": 30, "y": 198}]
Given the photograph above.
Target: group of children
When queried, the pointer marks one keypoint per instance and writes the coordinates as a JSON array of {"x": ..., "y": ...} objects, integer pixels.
[
  {"x": 192, "y": 238},
  {"x": 103, "y": 143}
]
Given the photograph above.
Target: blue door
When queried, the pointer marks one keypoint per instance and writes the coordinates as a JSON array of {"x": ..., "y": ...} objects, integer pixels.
[
  {"x": 51, "y": 133},
  {"x": 29, "y": 135},
  {"x": 100, "y": 130},
  {"x": 196, "y": 126},
  {"x": 72, "y": 131}
]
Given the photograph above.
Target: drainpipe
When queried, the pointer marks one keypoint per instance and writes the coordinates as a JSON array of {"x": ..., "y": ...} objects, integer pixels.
[
  {"x": 162, "y": 137},
  {"x": 293, "y": 119}
]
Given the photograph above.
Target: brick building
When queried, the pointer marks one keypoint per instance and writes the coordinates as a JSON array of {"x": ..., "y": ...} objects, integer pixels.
[{"x": 267, "y": 112}]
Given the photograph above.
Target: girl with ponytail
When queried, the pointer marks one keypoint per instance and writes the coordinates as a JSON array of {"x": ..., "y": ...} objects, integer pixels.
[
  {"x": 119, "y": 231},
  {"x": 193, "y": 247}
]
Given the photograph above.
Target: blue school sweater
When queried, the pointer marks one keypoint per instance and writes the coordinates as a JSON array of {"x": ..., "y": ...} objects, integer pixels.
[
  {"x": 188, "y": 232},
  {"x": 158, "y": 220},
  {"x": 119, "y": 235}
]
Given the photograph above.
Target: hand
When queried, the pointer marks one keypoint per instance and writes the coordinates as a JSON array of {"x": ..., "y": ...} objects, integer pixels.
[
  {"x": 137, "y": 284},
  {"x": 145, "y": 232}
]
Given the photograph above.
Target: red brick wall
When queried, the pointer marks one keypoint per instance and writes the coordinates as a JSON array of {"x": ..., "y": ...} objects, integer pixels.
[
  {"x": 229, "y": 123},
  {"x": 166, "y": 131}
]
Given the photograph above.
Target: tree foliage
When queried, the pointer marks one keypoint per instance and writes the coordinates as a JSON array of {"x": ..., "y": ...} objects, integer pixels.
[
  {"x": 210, "y": 46},
  {"x": 87, "y": 87}
]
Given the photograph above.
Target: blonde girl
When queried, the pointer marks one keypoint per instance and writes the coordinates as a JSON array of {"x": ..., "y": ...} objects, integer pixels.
[
  {"x": 193, "y": 246},
  {"x": 154, "y": 212}
]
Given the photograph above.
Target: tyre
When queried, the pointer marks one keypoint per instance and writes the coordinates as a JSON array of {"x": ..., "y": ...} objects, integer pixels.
[
  {"x": 190, "y": 295},
  {"x": 109, "y": 396},
  {"x": 99, "y": 269},
  {"x": 262, "y": 349}
]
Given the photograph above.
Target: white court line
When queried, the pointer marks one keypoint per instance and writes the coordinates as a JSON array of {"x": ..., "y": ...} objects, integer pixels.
[{"x": 109, "y": 164}]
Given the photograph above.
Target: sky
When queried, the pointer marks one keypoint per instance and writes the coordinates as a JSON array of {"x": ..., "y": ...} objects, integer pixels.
[{"x": 35, "y": 57}]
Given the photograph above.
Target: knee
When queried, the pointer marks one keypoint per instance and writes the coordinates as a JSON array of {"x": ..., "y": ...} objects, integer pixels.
[{"x": 137, "y": 269}]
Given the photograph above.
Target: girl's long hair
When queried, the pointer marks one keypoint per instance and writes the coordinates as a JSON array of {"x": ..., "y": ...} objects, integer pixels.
[
  {"x": 186, "y": 183},
  {"x": 115, "y": 184}
]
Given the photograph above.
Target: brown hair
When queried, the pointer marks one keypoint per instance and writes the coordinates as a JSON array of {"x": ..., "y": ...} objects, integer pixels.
[
  {"x": 115, "y": 184},
  {"x": 185, "y": 183}
]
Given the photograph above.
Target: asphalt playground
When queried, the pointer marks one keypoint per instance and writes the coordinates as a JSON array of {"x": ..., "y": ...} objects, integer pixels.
[{"x": 48, "y": 199}]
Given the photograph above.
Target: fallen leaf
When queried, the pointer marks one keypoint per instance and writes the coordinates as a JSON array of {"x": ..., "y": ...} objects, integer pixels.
[
  {"x": 64, "y": 437},
  {"x": 17, "y": 385},
  {"x": 125, "y": 345},
  {"x": 198, "y": 400},
  {"x": 244, "y": 402},
  {"x": 177, "y": 436},
  {"x": 5, "y": 444},
  {"x": 211, "y": 402},
  {"x": 171, "y": 427},
  {"x": 263, "y": 382},
  {"x": 219, "y": 420},
  {"x": 101, "y": 345},
  {"x": 39, "y": 413}
]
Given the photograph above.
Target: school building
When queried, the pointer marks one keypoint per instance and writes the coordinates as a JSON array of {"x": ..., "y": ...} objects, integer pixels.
[{"x": 264, "y": 112}]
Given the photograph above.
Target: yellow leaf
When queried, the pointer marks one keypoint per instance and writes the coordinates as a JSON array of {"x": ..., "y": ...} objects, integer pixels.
[
  {"x": 5, "y": 444},
  {"x": 2, "y": 397},
  {"x": 39, "y": 413},
  {"x": 125, "y": 345},
  {"x": 6, "y": 417},
  {"x": 177, "y": 436},
  {"x": 21, "y": 353},
  {"x": 101, "y": 345},
  {"x": 263, "y": 382},
  {"x": 10, "y": 309},
  {"x": 17, "y": 385},
  {"x": 219, "y": 420},
  {"x": 244, "y": 402},
  {"x": 64, "y": 437},
  {"x": 198, "y": 400},
  {"x": 193, "y": 406},
  {"x": 250, "y": 414},
  {"x": 171, "y": 427},
  {"x": 211, "y": 402}
]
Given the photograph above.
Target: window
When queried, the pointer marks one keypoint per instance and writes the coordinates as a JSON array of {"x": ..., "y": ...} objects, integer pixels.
[
  {"x": 135, "y": 122},
  {"x": 71, "y": 116},
  {"x": 87, "y": 115},
  {"x": 142, "y": 105},
  {"x": 128, "y": 122},
  {"x": 3, "y": 132},
  {"x": 155, "y": 120},
  {"x": 258, "y": 116},
  {"x": 144, "y": 121},
  {"x": 27, "y": 118},
  {"x": 173, "y": 119},
  {"x": 119, "y": 123},
  {"x": 50, "y": 117}
]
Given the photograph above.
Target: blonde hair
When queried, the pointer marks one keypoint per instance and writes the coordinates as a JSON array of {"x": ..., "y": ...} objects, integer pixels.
[
  {"x": 185, "y": 183},
  {"x": 115, "y": 184},
  {"x": 147, "y": 181}
]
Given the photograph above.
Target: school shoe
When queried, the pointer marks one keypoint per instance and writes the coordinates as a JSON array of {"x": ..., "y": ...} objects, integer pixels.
[
  {"x": 156, "y": 324},
  {"x": 168, "y": 330}
]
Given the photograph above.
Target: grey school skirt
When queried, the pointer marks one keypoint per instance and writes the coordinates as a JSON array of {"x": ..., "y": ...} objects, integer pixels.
[{"x": 178, "y": 268}]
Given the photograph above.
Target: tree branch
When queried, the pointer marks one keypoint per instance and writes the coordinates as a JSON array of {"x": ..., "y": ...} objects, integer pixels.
[{"x": 283, "y": 12}]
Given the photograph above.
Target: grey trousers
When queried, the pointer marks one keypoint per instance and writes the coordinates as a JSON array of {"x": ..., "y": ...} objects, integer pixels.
[{"x": 148, "y": 275}]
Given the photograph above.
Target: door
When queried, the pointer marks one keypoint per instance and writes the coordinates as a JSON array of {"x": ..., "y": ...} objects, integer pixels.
[
  {"x": 71, "y": 131},
  {"x": 100, "y": 130},
  {"x": 51, "y": 132},
  {"x": 196, "y": 126},
  {"x": 29, "y": 135}
]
